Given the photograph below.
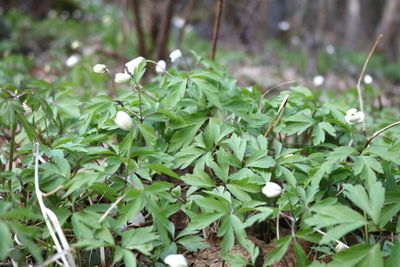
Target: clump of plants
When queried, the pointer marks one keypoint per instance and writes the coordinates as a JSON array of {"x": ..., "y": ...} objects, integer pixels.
[{"x": 187, "y": 161}]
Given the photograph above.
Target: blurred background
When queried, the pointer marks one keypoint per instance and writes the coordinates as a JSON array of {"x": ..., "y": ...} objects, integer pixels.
[{"x": 261, "y": 42}]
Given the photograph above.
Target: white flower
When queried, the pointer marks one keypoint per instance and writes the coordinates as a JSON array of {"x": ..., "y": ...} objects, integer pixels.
[
  {"x": 26, "y": 107},
  {"x": 99, "y": 68},
  {"x": 75, "y": 45},
  {"x": 176, "y": 260},
  {"x": 122, "y": 77},
  {"x": 340, "y": 247},
  {"x": 330, "y": 49},
  {"x": 161, "y": 66},
  {"x": 107, "y": 20},
  {"x": 284, "y": 26},
  {"x": 123, "y": 120},
  {"x": 271, "y": 190},
  {"x": 133, "y": 64},
  {"x": 72, "y": 60},
  {"x": 368, "y": 79},
  {"x": 178, "y": 22},
  {"x": 175, "y": 55},
  {"x": 318, "y": 80},
  {"x": 353, "y": 116}
]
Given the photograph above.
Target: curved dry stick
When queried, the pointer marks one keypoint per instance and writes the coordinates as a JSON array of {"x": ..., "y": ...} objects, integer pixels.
[
  {"x": 359, "y": 90},
  {"x": 51, "y": 220},
  {"x": 278, "y": 115},
  {"x": 369, "y": 140}
]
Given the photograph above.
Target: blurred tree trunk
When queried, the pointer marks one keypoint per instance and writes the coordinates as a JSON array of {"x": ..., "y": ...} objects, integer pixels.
[
  {"x": 353, "y": 22},
  {"x": 140, "y": 42},
  {"x": 387, "y": 27},
  {"x": 162, "y": 41}
]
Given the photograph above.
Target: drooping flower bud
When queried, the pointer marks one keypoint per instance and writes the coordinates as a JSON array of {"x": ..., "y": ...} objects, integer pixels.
[
  {"x": 175, "y": 55},
  {"x": 122, "y": 78},
  {"x": 161, "y": 66},
  {"x": 123, "y": 120},
  {"x": 72, "y": 60},
  {"x": 100, "y": 68},
  {"x": 353, "y": 116},
  {"x": 176, "y": 260},
  {"x": 131, "y": 66},
  {"x": 340, "y": 247},
  {"x": 271, "y": 190}
]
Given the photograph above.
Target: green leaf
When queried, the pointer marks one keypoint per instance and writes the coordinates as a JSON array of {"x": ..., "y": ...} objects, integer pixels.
[
  {"x": 129, "y": 258},
  {"x": 184, "y": 136},
  {"x": 200, "y": 221},
  {"x": 198, "y": 178},
  {"x": 340, "y": 220},
  {"x": 301, "y": 257},
  {"x": 281, "y": 246},
  {"x": 260, "y": 160},
  {"x": 148, "y": 134},
  {"x": 193, "y": 243},
  {"x": 370, "y": 203},
  {"x": 6, "y": 241},
  {"x": 238, "y": 146},
  {"x": 159, "y": 168},
  {"x": 360, "y": 255},
  {"x": 394, "y": 258},
  {"x": 140, "y": 239}
]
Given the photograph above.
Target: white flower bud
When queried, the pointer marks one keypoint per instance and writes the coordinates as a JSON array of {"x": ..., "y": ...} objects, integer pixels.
[
  {"x": 318, "y": 80},
  {"x": 122, "y": 77},
  {"x": 123, "y": 120},
  {"x": 133, "y": 64},
  {"x": 271, "y": 190},
  {"x": 72, "y": 60},
  {"x": 284, "y": 26},
  {"x": 161, "y": 66},
  {"x": 175, "y": 55},
  {"x": 368, "y": 79},
  {"x": 340, "y": 247},
  {"x": 178, "y": 22},
  {"x": 26, "y": 107},
  {"x": 100, "y": 68},
  {"x": 75, "y": 45},
  {"x": 353, "y": 116},
  {"x": 176, "y": 260},
  {"x": 330, "y": 49}
]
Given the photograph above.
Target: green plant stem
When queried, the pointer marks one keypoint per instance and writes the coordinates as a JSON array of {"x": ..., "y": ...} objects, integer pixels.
[
  {"x": 366, "y": 230},
  {"x": 12, "y": 146}
]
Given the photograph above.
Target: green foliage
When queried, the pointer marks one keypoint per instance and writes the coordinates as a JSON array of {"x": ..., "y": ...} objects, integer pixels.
[{"x": 191, "y": 169}]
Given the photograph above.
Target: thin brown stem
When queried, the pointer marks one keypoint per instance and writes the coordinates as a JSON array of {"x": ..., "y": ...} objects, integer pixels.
[
  {"x": 359, "y": 89},
  {"x": 217, "y": 24},
  {"x": 278, "y": 115},
  {"x": 369, "y": 140}
]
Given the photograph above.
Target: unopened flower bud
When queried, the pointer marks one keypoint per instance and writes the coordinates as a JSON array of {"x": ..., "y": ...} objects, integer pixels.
[
  {"x": 176, "y": 260},
  {"x": 122, "y": 78},
  {"x": 100, "y": 68},
  {"x": 175, "y": 55},
  {"x": 271, "y": 190},
  {"x": 123, "y": 120}
]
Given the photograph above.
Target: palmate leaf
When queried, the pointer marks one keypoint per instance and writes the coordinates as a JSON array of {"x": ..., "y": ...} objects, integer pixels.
[
  {"x": 6, "y": 241},
  {"x": 281, "y": 246},
  {"x": 370, "y": 203},
  {"x": 360, "y": 255},
  {"x": 338, "y": 219}
]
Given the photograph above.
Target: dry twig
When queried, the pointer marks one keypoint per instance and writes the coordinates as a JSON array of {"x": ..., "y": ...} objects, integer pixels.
[
  {"x": 217, "y": 24},
  {"x": 359, "y": 89}
]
